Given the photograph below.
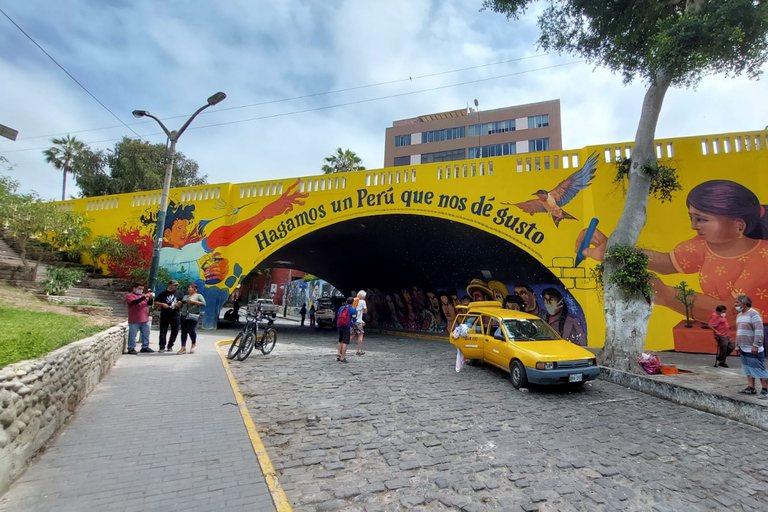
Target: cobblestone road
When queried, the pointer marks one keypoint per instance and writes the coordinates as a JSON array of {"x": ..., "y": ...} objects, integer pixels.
[{"x": 399, "y": 429}]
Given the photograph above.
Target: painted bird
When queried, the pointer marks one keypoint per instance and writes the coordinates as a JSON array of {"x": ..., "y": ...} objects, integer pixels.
[{"x": 552, "y": 202}]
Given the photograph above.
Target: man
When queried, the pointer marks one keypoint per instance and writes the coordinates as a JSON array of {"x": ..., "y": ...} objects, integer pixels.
[
  {"x": 169, "y": 302},
  {"x": 344, "y": 319},
  {"x": 750, "y": 344},
  {"x": 138, "y": 317},
  {"x": 526, "y": 293}
]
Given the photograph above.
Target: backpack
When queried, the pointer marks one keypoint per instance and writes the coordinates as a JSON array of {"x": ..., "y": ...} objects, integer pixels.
[{"x": 344, "y": 317}]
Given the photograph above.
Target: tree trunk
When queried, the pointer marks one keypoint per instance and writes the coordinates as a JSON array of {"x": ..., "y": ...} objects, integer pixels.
[
  {"x": 626, "y": 317},
  {"x": 64, "y": 186}
]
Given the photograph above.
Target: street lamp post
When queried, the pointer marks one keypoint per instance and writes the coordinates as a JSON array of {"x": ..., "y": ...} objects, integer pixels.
[{"x": 173, "y": 136}]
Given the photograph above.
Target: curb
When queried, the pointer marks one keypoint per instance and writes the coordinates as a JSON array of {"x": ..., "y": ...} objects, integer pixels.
[
  {"x": 268, "y": 470},
  {"x": 737, "y": 410}
]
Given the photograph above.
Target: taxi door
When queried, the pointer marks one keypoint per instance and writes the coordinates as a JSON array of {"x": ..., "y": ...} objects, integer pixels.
[
  {"x": 495, "y": 351},
  {"x": 472, "y": 345}
]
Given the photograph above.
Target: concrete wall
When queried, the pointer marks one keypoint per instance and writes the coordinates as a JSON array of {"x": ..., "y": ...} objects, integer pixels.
[{"x": 38, "y": 396}]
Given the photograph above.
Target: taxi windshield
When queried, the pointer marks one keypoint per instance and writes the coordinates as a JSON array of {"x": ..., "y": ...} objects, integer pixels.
[{"x": 529, "y": 330}]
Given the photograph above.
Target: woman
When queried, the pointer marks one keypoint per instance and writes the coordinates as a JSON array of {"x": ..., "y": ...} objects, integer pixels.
[
  {"x": 357, "y": 326},
  {"x": 312, "y": 315},
  {"x": 567, "y": 324},
  {"x": 729, "y": 251},
  {"x": 190, "y": 316},
  {"x": 750, "y": 343}
]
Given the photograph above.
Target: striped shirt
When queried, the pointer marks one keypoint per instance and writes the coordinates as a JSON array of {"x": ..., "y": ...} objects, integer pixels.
[{"x": 749, "y": 331}]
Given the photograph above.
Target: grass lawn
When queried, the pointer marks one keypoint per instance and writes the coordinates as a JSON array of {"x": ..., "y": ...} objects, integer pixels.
[{"x": 28, "y": 334}]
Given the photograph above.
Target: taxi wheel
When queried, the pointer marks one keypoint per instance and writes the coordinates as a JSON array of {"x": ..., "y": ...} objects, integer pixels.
[{"x": 517, "y": 375}]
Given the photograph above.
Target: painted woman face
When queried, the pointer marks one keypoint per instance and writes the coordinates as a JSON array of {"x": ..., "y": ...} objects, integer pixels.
[
  {"x": 715, "y": 229},
  {"x": 553, "y": 304},
  {"x": 406, "y": 296}
]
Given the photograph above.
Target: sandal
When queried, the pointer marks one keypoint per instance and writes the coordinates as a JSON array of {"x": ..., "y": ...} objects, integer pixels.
[
  {"x": 183, "y": 350},
  {"x": 360, "y": 353}
]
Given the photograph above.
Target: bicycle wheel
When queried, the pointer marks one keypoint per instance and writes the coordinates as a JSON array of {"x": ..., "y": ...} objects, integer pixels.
[
  {"x": 248, "y": 342},
  {"x": 268, "y": 340},
  {"x": 235, "y": 347}
]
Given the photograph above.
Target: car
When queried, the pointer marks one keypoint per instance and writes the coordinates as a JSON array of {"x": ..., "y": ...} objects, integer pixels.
[
  {"x": 327, "y": 307},
  {"x": 522, "y": 344},
  {"x": 268, "y": 307}
]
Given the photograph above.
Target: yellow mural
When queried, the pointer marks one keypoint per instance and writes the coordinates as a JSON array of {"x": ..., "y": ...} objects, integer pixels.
[{"x": 712, "y": 235}]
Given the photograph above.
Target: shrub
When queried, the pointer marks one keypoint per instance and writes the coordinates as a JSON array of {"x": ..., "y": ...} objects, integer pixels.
[{"x": 60, "y": 280}]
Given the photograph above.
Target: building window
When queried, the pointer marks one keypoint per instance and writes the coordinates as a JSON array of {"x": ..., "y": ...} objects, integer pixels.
[
  {"x": 402, "y": 140},
  {"x": 443, "y": 156},
  {"x": 508, "y": 148},
  {"x": 538, "y": 121},
  {"x": 402, "y": 160},
  {"x": 446, "y": 134},
  {"x": 539, "y": 144},
  {"x": 475, "y": 130}
]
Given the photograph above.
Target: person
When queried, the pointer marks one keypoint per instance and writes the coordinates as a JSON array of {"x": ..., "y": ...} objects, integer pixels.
[
  {"x": 479, "y": 291},
  {"x": 499, "y": 290},
  {"x": 514, "y": 302},
  {"x": 303, "y": 313},
  {"x": 312, "y": 311},
  {"x": 344, "y": 329},
  {"x": 448, "y": 308},
  {"x": 728, "y": 251},
  {"x": 566, "y": 324},
  {"x": 138, "y": 317},
  {"x": 526, "y": 293},
  {"x": 719, "y": 325},
  {"x": 750, "y": 344},
  {"x": 190, "y": 316},
  {"x": 361, "y": 308},
  {"x": 169, "y": 302}
]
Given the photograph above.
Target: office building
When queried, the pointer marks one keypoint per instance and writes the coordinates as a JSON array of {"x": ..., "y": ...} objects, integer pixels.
[{"x": 471, "y": 133}]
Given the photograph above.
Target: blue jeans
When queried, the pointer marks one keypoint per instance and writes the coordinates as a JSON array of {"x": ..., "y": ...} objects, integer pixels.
[{"x": 133, "y": 329}]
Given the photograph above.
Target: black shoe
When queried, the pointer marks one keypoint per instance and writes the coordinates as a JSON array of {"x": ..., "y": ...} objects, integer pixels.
[
  {"x": 162, "y": 349},
  {"x": 146, "y": 350},
  {"x": 342, "y": 360},
  {"x": 722, "y": 365},
  {"x": 748, "y": 391},
  {"x": 132, "y": 352}
]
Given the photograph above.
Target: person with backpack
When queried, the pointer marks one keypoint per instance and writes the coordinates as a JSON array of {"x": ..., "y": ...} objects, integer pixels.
[{"x": 346, "y": 315}]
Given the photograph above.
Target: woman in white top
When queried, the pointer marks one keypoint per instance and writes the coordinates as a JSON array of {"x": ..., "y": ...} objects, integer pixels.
[{"x": 362, "y": 307}]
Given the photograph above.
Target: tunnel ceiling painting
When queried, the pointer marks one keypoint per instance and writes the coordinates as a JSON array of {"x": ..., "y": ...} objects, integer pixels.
[{"x": 460, "y": 226}]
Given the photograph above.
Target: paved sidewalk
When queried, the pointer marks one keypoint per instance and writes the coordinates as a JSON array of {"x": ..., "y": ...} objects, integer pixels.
[{"x": 160, "y": 432}]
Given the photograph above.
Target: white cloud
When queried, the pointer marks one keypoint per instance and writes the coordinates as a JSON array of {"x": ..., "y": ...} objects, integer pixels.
[{"x": 169, "y": 59}]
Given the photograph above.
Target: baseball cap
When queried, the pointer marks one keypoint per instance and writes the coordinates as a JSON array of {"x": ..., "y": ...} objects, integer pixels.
[{"x": 173, "y": 282}]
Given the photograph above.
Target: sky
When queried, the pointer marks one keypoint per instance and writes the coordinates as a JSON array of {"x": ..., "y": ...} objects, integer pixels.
[{"x": 281, "y": 64}]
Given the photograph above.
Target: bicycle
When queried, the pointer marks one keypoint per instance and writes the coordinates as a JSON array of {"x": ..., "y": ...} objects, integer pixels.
[{"x": 248, "y": 338}]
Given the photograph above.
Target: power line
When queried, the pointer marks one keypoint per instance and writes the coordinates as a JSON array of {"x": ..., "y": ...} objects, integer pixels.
[
  {"x": 67, "y": 72},
  {"x": 369, "y": 100},
  {"x": 294, "y": 98}
]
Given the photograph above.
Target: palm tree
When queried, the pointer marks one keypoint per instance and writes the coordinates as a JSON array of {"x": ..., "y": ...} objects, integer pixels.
[
  {"x": 61, "y": 155},
  {"x": 342, "y": 161}
]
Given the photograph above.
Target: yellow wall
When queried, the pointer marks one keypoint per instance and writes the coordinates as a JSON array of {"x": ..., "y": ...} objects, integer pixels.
[{"x": 499, "y": 180}]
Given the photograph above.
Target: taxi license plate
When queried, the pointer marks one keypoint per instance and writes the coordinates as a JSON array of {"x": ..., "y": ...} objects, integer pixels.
[{"x": 574, "y": 377}]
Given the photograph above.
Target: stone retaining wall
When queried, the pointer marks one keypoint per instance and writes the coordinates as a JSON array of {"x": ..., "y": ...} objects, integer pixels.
[{"x": 38, "y": 396}]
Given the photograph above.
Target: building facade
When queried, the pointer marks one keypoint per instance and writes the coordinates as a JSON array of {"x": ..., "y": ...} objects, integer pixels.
[{"x": 470, "y": 133}]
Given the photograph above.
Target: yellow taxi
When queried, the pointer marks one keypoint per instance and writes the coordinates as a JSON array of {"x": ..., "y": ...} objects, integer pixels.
[{"x": 522, "y": 344}]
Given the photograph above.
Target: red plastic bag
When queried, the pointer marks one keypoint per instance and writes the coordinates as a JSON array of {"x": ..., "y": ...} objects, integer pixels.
[{"x": 651, "y": 363}]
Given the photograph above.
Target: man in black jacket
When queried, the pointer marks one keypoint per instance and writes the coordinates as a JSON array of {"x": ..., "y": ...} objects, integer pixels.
[{"x": 169, "y": 302}]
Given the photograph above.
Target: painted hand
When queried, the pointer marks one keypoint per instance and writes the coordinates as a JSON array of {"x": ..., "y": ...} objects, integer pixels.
[
  {"x": 597, "y": 247},
  {"x": 285, "y": 203},
  {"x": 214, "y": 268}
]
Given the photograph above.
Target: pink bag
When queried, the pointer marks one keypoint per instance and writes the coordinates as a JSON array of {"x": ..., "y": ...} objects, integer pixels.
[{"x": 651, "y": 363}]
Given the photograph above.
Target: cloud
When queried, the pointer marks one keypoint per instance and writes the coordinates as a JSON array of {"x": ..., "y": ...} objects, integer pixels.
[{"x": 169, "y": 59}]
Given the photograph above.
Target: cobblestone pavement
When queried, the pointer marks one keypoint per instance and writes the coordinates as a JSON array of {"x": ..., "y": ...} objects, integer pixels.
[{"x": 399, "y": 429}]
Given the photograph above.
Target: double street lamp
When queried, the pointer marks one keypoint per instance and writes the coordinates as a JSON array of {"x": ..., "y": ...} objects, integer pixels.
[{"x": 173, "y": 136}]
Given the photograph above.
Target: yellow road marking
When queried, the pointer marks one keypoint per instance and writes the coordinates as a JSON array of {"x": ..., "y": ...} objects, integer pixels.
[{"x": 278, "y": 495}]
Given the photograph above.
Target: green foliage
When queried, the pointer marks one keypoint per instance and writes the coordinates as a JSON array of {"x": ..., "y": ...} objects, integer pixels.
[
  {"x": 342, "y": 161},
  {"x": 681, "y": 40},
  {"x": 132, "y": 166},
  {"x": 664, "y": 181},
  {"x": 309, "y": 277},
  {"x": 28, "y": 334},
  {"x": 631, "y": 274},
  {"x": 60, "y": 279},
  {"x": 687, "y": 297},
  {"x": 111, "y": 247}
]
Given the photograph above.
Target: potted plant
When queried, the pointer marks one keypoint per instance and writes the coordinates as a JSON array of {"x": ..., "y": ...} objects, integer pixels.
[{"x": 685, "y": 295}]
